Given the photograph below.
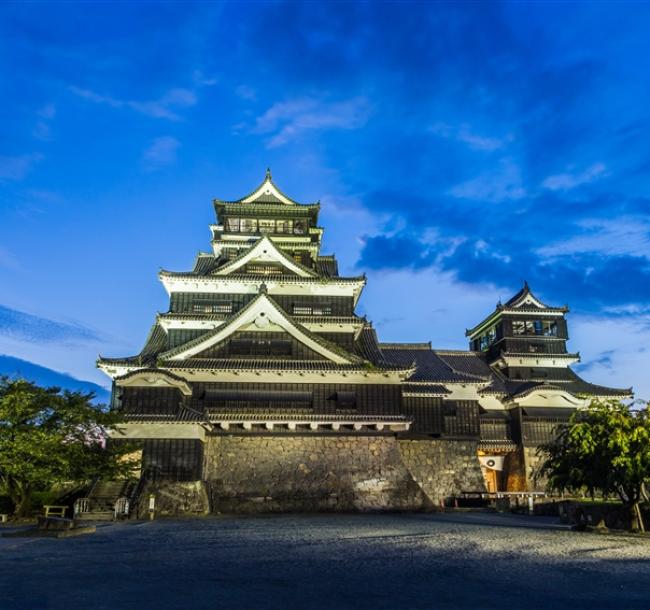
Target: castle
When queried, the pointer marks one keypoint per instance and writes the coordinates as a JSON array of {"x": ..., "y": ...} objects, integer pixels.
[{"x": 261, "y": 389}]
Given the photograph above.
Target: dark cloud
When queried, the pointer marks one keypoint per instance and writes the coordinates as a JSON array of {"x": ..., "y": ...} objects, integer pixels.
[{"x": 396, "y": 252}]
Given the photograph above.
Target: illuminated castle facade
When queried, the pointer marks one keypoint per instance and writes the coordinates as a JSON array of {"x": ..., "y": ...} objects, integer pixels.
[{"x": 261, "y": 389}]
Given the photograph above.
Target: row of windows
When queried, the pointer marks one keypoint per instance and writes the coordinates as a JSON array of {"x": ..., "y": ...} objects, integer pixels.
[
  {"x": 487, "y": 339},
  {"x": 267, "y": 270},
  {"x": 312, "y": 310},
  {"x": 544, "y": 328},
  {"x": 183, "y": 302},
  {"x": 212, "y": 308},
  {"x": 298, "y": 310},
  {"x": 266, "y": 225}
]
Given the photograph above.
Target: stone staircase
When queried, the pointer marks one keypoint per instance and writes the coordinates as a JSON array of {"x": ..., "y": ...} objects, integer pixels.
[{"x": 100, "y": 503}]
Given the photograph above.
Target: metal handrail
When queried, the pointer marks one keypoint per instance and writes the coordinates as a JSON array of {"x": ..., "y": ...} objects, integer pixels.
[{"x": 81, "y": 505}]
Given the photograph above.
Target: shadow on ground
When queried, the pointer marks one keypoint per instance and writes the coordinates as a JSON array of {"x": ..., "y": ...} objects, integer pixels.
[{"x": 400, "y": 561}]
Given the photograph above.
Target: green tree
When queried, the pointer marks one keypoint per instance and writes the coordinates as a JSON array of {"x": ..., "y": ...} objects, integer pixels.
[
  {"x": 606, "y": 448},
  {"x": 49, "y": 436}
]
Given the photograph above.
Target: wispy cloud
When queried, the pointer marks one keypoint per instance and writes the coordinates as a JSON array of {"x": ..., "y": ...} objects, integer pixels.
[
  {"x": 165, "y": 107},
  {"x": 626, "y": 235},
  {"x": 246, "y": 93},
  {"x": 7, "y": 259},
  {"x": 16, "y": 168},
  {"x": 285, "y": 121},
  {"x": 42, "y": 130},
  {"x": 570, "y": 180},
  {"x": 502, "y": 184},
  {"x": 161, "y": 152},
  {"x": 463, "y": 133},
  {"x": 20, "y": 325},
  {"x": 202, "y": 80}
]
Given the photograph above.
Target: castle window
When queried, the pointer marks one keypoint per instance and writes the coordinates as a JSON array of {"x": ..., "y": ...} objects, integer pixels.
[
  {"x": 322, "y": 310},
  {"x": 312, "y": 310},
  {"x": 212, "y": 308},
  {"x": 545, "y": 328},
  {"x": 487, "y": 339},
  {"x": 299, "y": 227},
  {"x": 263, "y": 270},
  {"x": 267, "y": 226},
  {"x": 346, "y": 400},
  {"x": 232, "y": 225},
  {"x": 248, "y": 225},
  {"x": 284, "y": 226}
]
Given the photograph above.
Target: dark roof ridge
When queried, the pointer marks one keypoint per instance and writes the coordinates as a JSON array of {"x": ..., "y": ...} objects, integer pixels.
[
  {"x": 413, "y": 346},
  {"x": 267, "y": 179}
]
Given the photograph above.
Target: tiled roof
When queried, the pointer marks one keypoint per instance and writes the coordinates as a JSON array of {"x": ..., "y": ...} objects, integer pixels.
[
  {"x": 405, "y": 346},
  {"x": 294, "y": 279},
  {"x": 327, "y": 266},
  {"x": 170, "y": 315},
  {"x": 367, "y": 346},
  {"x": 156, "y": 342},
  {"x": 466, "y": 363},
  {"x": 264, "y": 197},
  {"x": 234, "y": 415},
  {"x": 430, "y": 366},
  {"x": 283, "y": 255},
  {"x": 524, "y": 292},
  {"x": 152, "y": 370},
  {"x": 205, "y": 264},
  {"x": 563, "y": 379},
  {"x": 425, "y": 389},
  {"x": 271, "y": 365},
  {"x": 261, "y": 415},
  {"x": 332, "y": 347},
  {"x": 498, "y": 445}
]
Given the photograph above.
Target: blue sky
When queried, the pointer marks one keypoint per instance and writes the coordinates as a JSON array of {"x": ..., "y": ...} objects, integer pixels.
[{"x": 457, "y": 149}]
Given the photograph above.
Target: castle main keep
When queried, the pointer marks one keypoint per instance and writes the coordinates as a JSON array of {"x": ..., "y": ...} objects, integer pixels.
[{"x": 262, "y": 390}]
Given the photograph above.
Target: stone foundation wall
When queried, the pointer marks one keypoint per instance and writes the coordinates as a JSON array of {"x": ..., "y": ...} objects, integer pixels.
[
  {"x": 443, "y": 469},
  {"x": 174, "y": 499},
  {"x": 284, "y": 474},
  {"x": 258, "y": 474}
]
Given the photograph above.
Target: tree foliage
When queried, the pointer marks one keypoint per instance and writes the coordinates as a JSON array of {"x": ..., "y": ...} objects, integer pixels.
[
  {"x": 50, "y": 436},
  {"x": 604, "y": 448}
]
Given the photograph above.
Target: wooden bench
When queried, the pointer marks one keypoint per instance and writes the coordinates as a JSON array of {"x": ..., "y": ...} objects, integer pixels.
[{"x": 52, "y": 510}]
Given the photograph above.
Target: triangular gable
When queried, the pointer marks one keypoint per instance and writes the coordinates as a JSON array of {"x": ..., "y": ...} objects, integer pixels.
[
  {"x": 153, "y": 378},
  {"x": 548, "y": 397},
  {"x": 260, "y": 314},
  {"x": 268, "y": 189},
  {"x": 525, "y": 298},
  {"x": 265, "y": 251},
  {"x": 246, "y": 334}
]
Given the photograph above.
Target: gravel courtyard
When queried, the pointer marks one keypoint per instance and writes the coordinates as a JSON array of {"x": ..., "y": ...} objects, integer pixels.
[{"x": 402, "y": 561}]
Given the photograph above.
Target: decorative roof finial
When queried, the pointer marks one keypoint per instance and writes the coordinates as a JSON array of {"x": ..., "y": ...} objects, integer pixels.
[
  {"x": 263, "y": 289},
  {"x": 526, "y": 287},
  {"x": 268, "y": 173}
]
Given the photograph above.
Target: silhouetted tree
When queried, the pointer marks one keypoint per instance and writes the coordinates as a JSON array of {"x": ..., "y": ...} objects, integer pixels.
[
  {"x": 49, "y": 436},
  {"x": 606, "y": 448}
]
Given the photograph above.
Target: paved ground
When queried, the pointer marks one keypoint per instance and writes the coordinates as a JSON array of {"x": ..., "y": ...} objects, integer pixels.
[{"x": 328, "y": 561}]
